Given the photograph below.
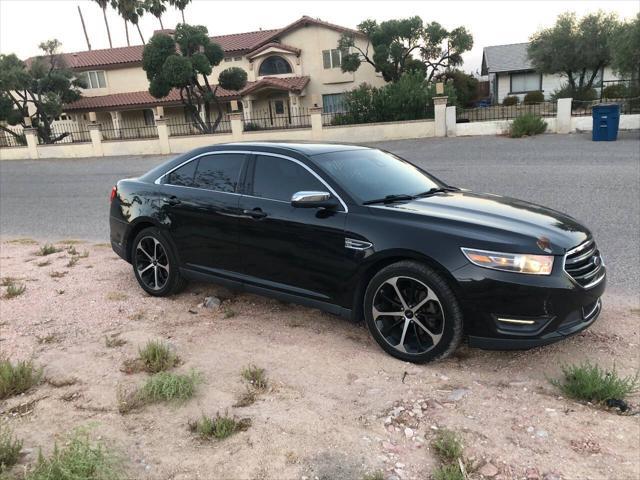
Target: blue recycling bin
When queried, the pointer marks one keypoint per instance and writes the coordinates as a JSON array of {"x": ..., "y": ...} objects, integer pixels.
[{"x": 606, "y": 119}]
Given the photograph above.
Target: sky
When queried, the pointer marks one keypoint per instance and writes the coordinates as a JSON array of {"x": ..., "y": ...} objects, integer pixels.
[{"x": 25, "y": 23}]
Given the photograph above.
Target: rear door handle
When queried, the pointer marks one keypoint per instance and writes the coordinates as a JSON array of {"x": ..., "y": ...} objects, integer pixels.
[
  {"x": 172, "y": 200},
  {"x": 256, "y": 213}
]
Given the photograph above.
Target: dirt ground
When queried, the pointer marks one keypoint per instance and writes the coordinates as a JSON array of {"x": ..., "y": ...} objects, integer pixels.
[{"x": 337, "y": 406}]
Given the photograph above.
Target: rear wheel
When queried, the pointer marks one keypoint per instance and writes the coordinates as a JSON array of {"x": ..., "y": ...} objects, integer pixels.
[
  {"x": 154, "y": 263},
  {"x": 412, "y": 312}
]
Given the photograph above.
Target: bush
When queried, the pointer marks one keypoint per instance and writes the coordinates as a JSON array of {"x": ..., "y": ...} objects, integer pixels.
[
  {"x": 10, "y": 448},
  {"x": 256, "y": 377},
  {"x": 448, "y": 446},
  {"x": 528, "y": 124},
  {"x": 219, "y": 427},
  {"x": 578, "y": 94},
  {"x": 410, "y": 98},
  {"x": 533, "y": 97},
  {"x": 251, "y": 127},
  {"x": 18, "y": 378},
  {"x": 510, "y": 100},
  {"x": 448, "y": 472},
  {"x": 165, "y": 386},
  {"x": 157, "y": 357},
  {"x": 80, "y": 459},
  {"x": 591, "y": 383}
]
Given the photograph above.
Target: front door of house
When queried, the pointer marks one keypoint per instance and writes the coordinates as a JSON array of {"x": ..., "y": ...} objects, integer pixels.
[{"x": 279, "y": 112}]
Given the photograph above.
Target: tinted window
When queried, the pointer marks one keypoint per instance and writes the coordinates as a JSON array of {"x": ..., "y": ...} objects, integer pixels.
[
  {"x": 219, "y": 172},
  {"x": 183, "y": 176},
  {"x": 373, "y": 174},
  {"x": 274, "y": 66},
  {"x": 278, "y": 179}
]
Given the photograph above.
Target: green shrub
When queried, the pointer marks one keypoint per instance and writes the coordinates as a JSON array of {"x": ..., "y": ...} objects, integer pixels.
[
  {"x": 527, "y": 124},
  {"x": 80, "y": 459},
  {"x": 15, "y": 290},
  {"x": 48, "y": 249},
  {"x": 165, "y": 386},
  {"x": 448, "y": 472},
  {"x": 255, "y": 376},
  {"x": 18, "y": 378},
  {"x": 10, "y": 448},
  {"x": 251, "y": 127},
  {"x": 618, "y": 90},
  {"x": 157, "y": 356},
  {"x": 219, "y": 427},
  {"x": 591, "y": 383},
  {"x": 533, "y": 97},
  {"x": 510, "y": 100},
  {"x": 578, "y": 94},
  {"x": 448, "y": 446}
]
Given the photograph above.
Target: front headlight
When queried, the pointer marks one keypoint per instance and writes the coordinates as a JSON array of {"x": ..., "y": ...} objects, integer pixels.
[{"x": 510, "y": 262}]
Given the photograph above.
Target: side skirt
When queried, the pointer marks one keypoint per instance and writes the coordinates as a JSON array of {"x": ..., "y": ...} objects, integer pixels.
[{"x": 267, "y": 292}]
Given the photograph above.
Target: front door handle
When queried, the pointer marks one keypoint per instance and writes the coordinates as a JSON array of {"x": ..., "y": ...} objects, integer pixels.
[
  {"x": 172, "y": 200},
  {"x": 256, "y": 213}
]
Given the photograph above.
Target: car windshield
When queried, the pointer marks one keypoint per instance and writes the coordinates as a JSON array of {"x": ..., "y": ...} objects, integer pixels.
[{"x": 369, "y": 175}]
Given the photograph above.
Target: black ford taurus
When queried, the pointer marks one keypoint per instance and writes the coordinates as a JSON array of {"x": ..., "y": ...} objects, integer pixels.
[{"x": 364, "y": 234}]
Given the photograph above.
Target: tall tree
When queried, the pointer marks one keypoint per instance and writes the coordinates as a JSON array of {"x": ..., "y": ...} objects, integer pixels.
[
  {"x": 37, "y": 91},
  {"x": 187, "y": 68},
  {"x": 156, "y": 8},
  {"x": 577, "y": 49},
  {"x": 180, "y": 5},
  {"x": 395, "y": 47},
  {"x": 625, "y": 49},
  {"x": 103, "y": 5},
  {"x": 130, "y": 11}
]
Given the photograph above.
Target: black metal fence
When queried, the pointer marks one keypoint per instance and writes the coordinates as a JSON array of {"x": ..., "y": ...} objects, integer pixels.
[
  {"x": 183, "y": 129},
  {"x": 68, "y": 132},
  {"x": 127, "y": 129},
  {"x": 583, "y": 108},
  {"x": 346, "y": 117},
  {"x": 505, "y": 112},
  {"x": 273, "y": 119},
  {"x": 7, "y": 140}
]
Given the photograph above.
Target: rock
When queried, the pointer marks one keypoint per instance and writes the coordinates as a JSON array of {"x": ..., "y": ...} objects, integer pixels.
[
  {"x": 488, "y": 470},
  {"x": 399, "y": 465},
  {"x": 542, "y": 434},
  {"x": 212, "y": 303},
  {"x": 532, "y": 474},
  {"x": 408, "y": 432},
  {"x": 552, "y": 476},
  {"x": 458, "y": 394}
]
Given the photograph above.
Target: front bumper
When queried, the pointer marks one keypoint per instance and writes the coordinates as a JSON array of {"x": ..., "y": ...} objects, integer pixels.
[{"x": 511, "y": 311}]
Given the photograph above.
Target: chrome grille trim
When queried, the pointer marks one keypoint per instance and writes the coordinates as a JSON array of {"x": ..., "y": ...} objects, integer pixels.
[{"x": 584, "y": 264}]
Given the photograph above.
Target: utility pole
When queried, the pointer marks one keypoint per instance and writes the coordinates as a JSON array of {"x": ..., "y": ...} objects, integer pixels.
[{"x": 84, "y": 28}]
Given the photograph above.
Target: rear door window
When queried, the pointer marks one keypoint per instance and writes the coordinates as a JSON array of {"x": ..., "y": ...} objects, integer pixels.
[
  {"x": 220, "y": 173},
  {"x": 183, "y": 176}
]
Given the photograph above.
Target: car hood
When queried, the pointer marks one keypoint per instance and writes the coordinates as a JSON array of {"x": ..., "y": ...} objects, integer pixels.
[{"x": 497, "y": 220}]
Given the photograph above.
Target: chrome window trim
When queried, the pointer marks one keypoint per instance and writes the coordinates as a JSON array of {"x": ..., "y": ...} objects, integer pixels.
[{"x": 158, "y": 181}]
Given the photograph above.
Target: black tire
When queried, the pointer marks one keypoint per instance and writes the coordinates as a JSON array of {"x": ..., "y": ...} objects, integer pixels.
[
  {"x": 432, "y": 332},
  {"x": 144, "y": 251}
]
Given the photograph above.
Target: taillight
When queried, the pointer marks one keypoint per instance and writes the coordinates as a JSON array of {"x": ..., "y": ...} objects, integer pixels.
[{"x": 114, "y": 192}]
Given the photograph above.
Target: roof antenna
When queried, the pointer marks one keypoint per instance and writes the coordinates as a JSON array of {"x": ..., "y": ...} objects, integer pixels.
[{"x": 84, "y": 28}]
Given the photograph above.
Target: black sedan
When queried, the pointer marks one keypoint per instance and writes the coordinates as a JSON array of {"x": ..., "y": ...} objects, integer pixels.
[{"x": 361, "y": 233}]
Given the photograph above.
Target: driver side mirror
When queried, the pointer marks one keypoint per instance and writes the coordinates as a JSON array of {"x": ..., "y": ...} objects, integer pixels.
[{"x": 313, "y": 200}]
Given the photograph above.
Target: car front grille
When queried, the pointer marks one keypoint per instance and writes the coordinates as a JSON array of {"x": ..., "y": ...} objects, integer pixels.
[{"x": 584, "y": 264}]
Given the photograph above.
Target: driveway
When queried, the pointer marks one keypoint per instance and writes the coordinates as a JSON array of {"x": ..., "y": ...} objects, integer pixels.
[{"x": 598, "y": 183}]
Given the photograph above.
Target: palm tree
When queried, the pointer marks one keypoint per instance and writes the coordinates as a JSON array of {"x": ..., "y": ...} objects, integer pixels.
[
  {"x": 103, "y": 5},
  {"x": 130, "y": 11},
  {"x": 180, "y": 5},
  {"x": 156, "y": 8}
]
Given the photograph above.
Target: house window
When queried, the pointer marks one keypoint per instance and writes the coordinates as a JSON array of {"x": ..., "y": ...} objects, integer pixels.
[
  {"x": 333, "y": 102},
  {"x": 149, "y": 118},
  {"x": 332, "y": 58},
  {"x": 278, "y": 106},
  {"x": 237, "y": 59},
  {"x": 94, "y": 79},
  {"x": 274, "y": 65},
  {"x": 228, "y": 59},
  {"x": 526, "y": 82}
]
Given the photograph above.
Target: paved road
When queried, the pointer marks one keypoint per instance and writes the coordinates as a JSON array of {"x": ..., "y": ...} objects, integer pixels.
[{"x": 598, "y": 183}]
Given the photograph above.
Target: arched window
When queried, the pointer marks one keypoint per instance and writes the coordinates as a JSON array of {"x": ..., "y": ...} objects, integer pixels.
[{"x": 274, "y": 65}]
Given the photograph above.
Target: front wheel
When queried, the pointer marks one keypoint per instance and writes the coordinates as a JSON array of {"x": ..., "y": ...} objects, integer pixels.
[
  {"x": 154, "y": 263},
  {"x": 412, "y": 312}
]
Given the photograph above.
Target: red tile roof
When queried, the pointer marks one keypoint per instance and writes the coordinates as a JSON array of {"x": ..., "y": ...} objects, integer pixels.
[
  {"x": 233, "y": 44},
  {"x": 145, "y": 99}
]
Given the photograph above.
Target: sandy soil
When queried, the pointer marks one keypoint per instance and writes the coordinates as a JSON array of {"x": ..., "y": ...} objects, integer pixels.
[{"x": 333, "y": 407}]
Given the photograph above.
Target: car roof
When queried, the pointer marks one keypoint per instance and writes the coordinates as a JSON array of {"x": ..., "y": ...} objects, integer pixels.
[{"x": 304, "y": 148}]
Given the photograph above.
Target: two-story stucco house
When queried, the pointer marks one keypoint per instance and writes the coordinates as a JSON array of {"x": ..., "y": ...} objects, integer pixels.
[
  {"x": 511, "y": 73},
  {"x": 288, "y": 68}
]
